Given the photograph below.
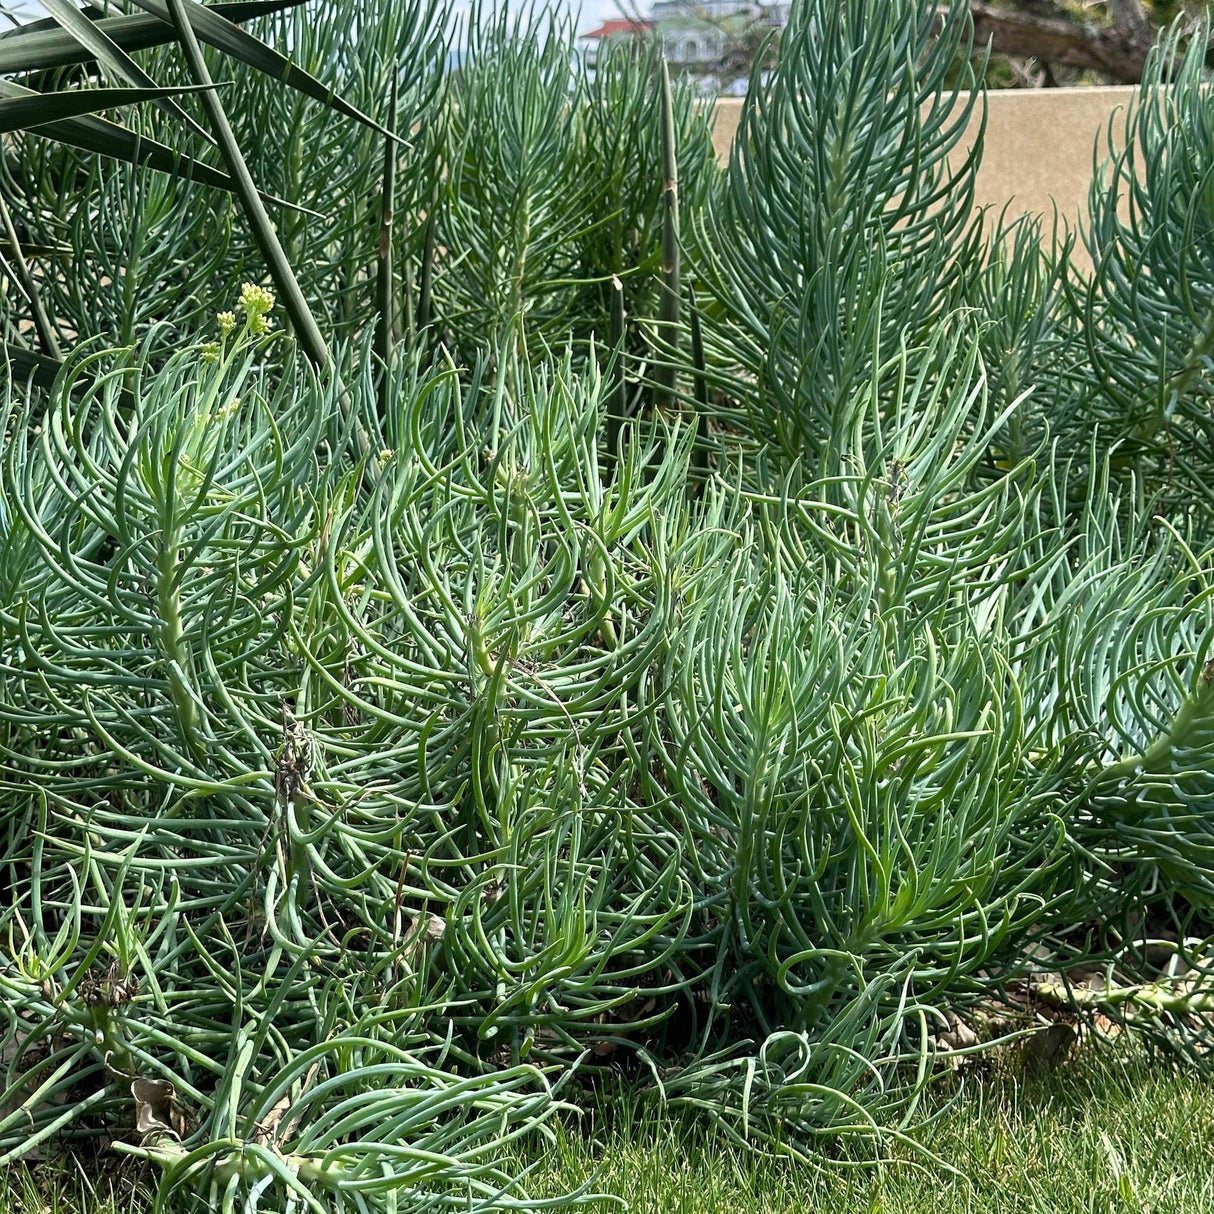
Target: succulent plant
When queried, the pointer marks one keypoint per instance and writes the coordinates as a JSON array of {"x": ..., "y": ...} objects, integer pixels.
[{"x": 566, "y": 674}]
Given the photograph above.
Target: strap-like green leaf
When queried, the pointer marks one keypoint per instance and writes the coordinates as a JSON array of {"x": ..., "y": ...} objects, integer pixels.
[
  {"x": 306, "y": 328},
  {"x": 219, "y": 32},
  {"x": 43, "y": 324},
  {"x": 36, "y": 250},
  {"x": 114, "y": 59},
  {"x": 39, "y": 109},
  {"x": 106, "y": 138},
  {"x": 385, "y": 292},
  {"x": 43, "y": 44},
  {"x": 41, "y": 370},
  {"x": 27, "y": 364}
]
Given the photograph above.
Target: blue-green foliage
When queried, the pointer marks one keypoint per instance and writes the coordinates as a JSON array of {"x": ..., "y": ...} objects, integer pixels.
[{"x": 382, "y": 758}]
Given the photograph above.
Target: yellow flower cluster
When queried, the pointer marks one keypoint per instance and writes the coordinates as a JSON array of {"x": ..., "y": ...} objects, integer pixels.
[{"x": 256, "y": 302}]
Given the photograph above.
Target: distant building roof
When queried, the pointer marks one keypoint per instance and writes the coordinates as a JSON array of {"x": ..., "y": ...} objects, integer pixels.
[{"x": 619, "y": 25}]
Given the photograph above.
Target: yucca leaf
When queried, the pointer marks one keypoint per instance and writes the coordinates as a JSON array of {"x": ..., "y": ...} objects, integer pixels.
[
  {"x": 106, "y": 138},
  {"x": 43, "y": 109},
  {"x": 668, "y": 311},
  {"x": 97, "y": 12},
  {"x": 113, "y": 58},
  {"x": 385, "y": 287},
  {"x": 263, "y": 230},
  {"x": 224, "y": 35},
  {"x": 33, "y": 249},
  {"x": 27, "y": 364},
  {"x": 42, "y": 321},
  {"x": 45, "y": 44}
]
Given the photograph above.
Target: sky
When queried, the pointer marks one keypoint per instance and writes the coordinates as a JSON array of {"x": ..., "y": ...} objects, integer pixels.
[{"x": 593, "y": 12}]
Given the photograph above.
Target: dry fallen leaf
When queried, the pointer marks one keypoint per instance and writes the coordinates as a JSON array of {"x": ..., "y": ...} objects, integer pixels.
[
  {"x": 156, "y": 1108},
  {"x": 267, "y": 1127},
  {"x": 959, "y": 1035}
]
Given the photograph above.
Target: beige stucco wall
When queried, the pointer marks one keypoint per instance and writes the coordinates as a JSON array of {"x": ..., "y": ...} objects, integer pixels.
[{"x": 1039, "y": 145}]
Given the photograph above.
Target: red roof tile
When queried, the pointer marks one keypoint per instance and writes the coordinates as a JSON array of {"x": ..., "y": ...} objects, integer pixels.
[{"x": 623, "y": 25}]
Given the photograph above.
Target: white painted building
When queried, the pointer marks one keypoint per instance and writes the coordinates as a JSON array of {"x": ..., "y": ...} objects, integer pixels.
[{"x": 694, "y": 34}]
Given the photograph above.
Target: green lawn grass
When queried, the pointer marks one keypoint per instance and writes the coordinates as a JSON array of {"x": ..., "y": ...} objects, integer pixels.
[
  {"x": 1102, "y": 1136},
  {"x": 1094, "y": 1137}
]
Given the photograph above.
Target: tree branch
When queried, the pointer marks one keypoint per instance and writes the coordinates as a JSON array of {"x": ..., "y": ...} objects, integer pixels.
[
  {"x": 1118, "y": 50},
  {"x": 1130, "y": 17}
]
